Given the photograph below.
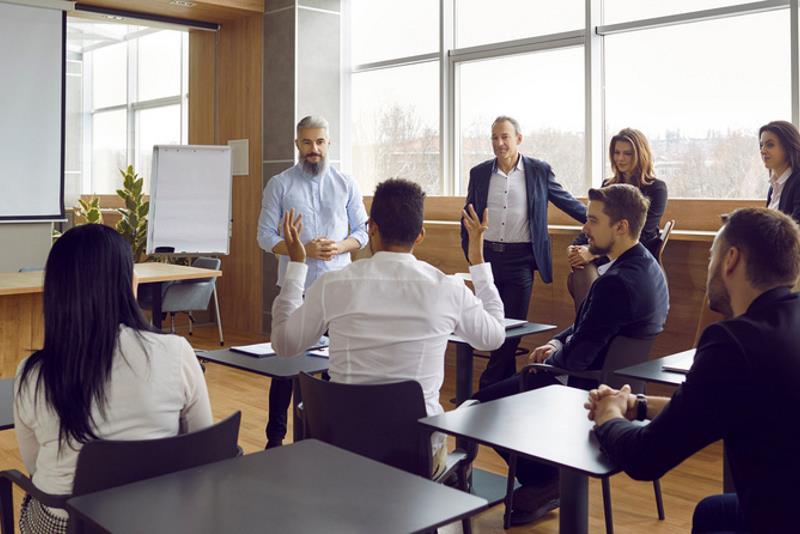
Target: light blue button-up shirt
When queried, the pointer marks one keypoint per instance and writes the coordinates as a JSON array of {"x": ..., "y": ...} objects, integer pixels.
[{"x": 331, "y": 205}]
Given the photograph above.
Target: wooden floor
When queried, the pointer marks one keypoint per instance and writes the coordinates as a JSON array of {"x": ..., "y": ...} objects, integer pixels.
[{"x": 633, "y": 502}]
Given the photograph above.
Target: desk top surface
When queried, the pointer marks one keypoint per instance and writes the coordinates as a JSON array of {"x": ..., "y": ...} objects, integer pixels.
[
  {"x": 6, "y": 403},
  {"x": 652, "y": 371},
  {"x": 511, "y": 333},
  {"x": 547, "y": 424},
  {"x": 32, "y": 282},
  {"x": 273, "y": 366},
  {"x": 308, "y": 486}
]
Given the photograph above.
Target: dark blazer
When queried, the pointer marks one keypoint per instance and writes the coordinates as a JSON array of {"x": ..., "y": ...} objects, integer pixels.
[
  {"x": 542, "y": 187},
  {"x": 744, "y": 387},
  {"x": 630, "y": 299},
  {"x": 656, "y": 193},
  {"x": 790, "y": 196}
]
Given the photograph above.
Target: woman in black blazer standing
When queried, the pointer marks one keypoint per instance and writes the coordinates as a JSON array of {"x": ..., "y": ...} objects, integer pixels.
[
  {"x": 779, "y": 143},
  {"x": 632, "y": 162}
]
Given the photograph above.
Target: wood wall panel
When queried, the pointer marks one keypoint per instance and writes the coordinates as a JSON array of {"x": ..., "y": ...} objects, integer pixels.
[
  {"x": 220, "y": 11},
  {"x": 21, "y": 329},
  {"x": 239, "y": 87},
  {"x": 202, "y": 87}
]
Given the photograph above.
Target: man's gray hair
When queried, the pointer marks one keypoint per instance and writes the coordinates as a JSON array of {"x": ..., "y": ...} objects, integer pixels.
[
  {"x": 512, "y": 120},
  {"x": 312, "y": 121}
]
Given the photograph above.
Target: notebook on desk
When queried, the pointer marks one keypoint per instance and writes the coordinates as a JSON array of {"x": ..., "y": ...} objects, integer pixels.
[
  {"x": 513, "y": 323},
  {"x": 257, "y": 350},
  {"x": 680, "y": 363}
]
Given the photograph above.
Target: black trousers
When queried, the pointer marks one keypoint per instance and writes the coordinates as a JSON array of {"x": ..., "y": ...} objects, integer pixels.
[
  {"x": 529, "y": 472},
  {"x": 280, "y": 397},
  {"x": 719, "y": 514},
  {"x": 513, "y": 275}
]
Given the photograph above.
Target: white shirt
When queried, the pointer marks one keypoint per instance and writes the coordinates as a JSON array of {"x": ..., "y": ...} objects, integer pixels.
[
  {"x": 152, "y": 393},
  {"x": 777, "y": 188},
  {"x": 508, "y": 206},
  {"x": 388, "y": 318}
]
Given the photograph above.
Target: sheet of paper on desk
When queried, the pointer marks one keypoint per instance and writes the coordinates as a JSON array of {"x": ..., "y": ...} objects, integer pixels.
[
  {"x": 257, "y": 349},
  {"x": 324, "y": 352},
  {"x": 507, "y": 323},
  {"x": 682, "y": 364}
]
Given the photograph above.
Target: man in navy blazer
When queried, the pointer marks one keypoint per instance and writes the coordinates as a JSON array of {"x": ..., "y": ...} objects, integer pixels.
[
  {"x": 629, "y": 299},
  {"x": 516, "y": 189}
]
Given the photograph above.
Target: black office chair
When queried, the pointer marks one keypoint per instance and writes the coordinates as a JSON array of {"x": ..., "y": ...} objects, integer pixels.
[
  {"x": 623, "y": 352},
  {"x": 104, "y": 464},
  {"x": 378, "y": 421},
  {"x": 663, "y": 238}
]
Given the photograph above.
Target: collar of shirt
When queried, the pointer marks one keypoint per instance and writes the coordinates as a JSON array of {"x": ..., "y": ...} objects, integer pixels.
[
  {"x": 300, "y": 169},
  {"x": 385, "y": 255},
  {"x": 519, "y": 166},
  {"x": 781, "y": 179}
]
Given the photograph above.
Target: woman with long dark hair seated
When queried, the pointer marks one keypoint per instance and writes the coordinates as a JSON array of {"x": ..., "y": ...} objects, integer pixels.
[
  {"x": 102, "y": 373},
  {"x": 632, "y": 162}
]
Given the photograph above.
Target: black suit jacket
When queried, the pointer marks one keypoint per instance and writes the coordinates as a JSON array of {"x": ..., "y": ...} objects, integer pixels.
[
  {"x": 790, "y": 196},
  {"x": 630, "y": 299},
  {"x": 744, "y": 387},
  {"x": 542, "y": 188}
]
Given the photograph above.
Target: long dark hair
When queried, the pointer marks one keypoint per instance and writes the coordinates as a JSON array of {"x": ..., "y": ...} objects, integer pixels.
[
  {"x": 788, "y": 136},
  {"x": 644, "y": 173},
  {"x": 88, "y": 294}
]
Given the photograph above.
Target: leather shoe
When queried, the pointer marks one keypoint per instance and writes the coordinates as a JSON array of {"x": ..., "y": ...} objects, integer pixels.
[
  {"x": 522, "y": 517},
  {"x": 531, "y": 498}
]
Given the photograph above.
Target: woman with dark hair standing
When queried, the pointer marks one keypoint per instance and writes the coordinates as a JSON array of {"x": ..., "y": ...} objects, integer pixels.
[
  {"x": 632, "y": 162},
  {"x": 779, "y": 143},
  {"x": 102, "y": 372}
]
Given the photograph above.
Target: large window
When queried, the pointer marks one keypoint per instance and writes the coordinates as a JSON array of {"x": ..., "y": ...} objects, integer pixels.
[
  {"x": 697, "y": 77},
  {"x": 550, "y": 111},
  {"x": 702, "y": 102},
  {"x": 128, "y": 92}
]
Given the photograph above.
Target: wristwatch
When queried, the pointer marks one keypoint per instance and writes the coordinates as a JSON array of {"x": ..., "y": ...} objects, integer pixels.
[{"x": 641, "y": 407}]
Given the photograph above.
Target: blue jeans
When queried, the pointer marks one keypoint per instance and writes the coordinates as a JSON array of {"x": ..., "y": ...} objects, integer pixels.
[{"x": 719, "y": 514}]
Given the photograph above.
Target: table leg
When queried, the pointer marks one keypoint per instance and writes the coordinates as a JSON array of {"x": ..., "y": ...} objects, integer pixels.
[
  {"x": 573, "y": 518},
  {"x": 509, "y": 500},
  {"x": 463, "y": 372},
  {"x": 155, "y": 287},
  {"x": 297, "y": 422}
]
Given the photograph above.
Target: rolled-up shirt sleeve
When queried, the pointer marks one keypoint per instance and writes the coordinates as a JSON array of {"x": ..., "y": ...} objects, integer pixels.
[
  {"x": 357, "y": 216},
  {"x": 481, "y": 321},
  {"x": 270, "y": 218}
]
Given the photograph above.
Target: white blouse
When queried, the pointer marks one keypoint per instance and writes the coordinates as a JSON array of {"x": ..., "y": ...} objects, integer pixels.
[{"x": 156, "y": 389}]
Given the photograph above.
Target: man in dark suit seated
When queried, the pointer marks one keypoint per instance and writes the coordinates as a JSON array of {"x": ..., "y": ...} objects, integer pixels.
[
  {"x": 744, "y": 386},
  {"x": 630, "y": 299}
]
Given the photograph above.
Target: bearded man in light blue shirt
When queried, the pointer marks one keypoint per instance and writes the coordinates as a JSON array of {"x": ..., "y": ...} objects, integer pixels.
[{"x": 334, "y": 224}]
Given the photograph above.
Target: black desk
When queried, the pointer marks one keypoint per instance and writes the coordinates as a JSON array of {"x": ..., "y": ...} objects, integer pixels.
[
  {"x": 548, "y": 425},
  {"x": 464, "y": 354},
  {"x": 6, "y": 403},
  {"x": 652, "y": 371},
  {"x": 276, "y": 367},
  {"x": 303, "y": 487}
]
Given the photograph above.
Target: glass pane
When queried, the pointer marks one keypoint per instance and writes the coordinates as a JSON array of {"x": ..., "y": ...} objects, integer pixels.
[
  {"x": 157, "y": 126},
  {"x": 109, "y": 75},
  {"x": 701, "y": 103},
  {"x": 384, "y": 29},
  {"x": 615, "y": 11},
  {"x": 484, "y": 21},
  {"x": 159, "y": 65},
  {"x": 545, "y": 96},
  {"x": 396, "y": 126},
  {"x": 109, "y": 139}
]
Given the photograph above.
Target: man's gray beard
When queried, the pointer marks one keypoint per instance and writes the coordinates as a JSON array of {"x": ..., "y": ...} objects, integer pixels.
[{"x": 315, "y": 169}]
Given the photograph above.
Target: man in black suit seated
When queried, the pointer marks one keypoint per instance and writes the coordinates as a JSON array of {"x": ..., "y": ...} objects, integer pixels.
[
  {"x": 744, "y": 386},
  {"x": 630, "y": 299}
]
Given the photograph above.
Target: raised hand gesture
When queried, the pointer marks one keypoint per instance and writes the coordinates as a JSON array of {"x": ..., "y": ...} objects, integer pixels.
[
  {"x": 475, "y": 229},
  {"x": 292, "y": 226}
]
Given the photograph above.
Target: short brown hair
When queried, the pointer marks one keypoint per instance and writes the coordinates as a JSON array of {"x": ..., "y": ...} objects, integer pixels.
[
  {"x": 770, "y": 242},
  {"x": 623, "y": 201}
]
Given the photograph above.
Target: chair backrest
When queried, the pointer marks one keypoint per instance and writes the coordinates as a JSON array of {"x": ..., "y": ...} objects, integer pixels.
[
  {"x": 30, "y": 269},
  {"x": 204, "y": 262},
  {"x": 105, "y": 464},
  {"x": 663, "y": 238},
  {"x": 378, "y": 421},
  {"x": 624, "y": 352}
]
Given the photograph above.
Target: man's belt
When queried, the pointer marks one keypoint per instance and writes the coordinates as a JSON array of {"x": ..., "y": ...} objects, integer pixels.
[{"x": 496, "y": 246}]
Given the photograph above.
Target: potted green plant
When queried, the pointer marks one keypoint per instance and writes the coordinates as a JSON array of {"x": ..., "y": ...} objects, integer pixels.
[{"x": 133, "y": 225}]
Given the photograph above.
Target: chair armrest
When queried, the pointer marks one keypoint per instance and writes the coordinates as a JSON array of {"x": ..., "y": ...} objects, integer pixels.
[
  {"x": 53, "y": 501},
  {"x": 553, "y": 370}
]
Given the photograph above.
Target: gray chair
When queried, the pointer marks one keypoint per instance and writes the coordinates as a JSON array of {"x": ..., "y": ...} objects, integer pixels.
[
  {"x": 30, "y": 269},
  {"x": 623, "y": 352},
  {"x": 379, "y": 421},
  {"x": 104, "y": 464},
  {"x": 191, "y": 295}
]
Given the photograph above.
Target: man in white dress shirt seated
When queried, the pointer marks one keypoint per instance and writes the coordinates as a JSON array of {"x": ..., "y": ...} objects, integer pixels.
[{"x": 389, "y": 316}]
